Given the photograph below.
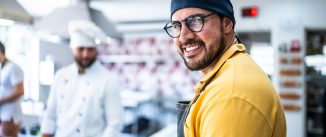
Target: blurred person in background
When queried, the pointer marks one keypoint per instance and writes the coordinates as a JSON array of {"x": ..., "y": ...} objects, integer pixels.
[
  {"x": 11, "y": 91},
  {"x": 234, "y": 96},
  {"x": 84, "y": 100}
]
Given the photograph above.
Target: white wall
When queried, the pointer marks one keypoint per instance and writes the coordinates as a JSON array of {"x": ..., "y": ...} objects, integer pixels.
[{"x": 61, "y": 55}]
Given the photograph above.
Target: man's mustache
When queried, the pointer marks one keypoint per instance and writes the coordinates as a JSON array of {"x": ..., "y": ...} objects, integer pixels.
[{"x": 193, "y": 42}]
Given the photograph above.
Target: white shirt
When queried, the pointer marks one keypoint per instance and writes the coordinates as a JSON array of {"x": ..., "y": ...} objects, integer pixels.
[
  {"x": 10, "y": 76},
  {"x": 84, "y": 105}
]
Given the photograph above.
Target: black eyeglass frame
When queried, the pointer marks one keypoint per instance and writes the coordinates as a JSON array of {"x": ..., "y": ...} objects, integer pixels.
[{"x": 202, "y": 18}]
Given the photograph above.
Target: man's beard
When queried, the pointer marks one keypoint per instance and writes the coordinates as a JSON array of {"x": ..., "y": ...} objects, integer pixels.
[
  {"x": 209, "y": 56},
  {"x": 83, "y": 65}
]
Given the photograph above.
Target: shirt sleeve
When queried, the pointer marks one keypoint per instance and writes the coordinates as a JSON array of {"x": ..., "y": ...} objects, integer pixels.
[
  {"x": 48, "y": 124},
  {"x": 233, "y": 118},
  {"x": 113, "y": 109},
  {"x": 16, "y": 75}
]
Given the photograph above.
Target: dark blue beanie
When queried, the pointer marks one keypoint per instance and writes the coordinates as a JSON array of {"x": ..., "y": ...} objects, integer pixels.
[{"x": 223, "y": 7}]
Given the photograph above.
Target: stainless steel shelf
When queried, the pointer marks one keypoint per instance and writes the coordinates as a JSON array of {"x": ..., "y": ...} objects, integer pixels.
[{"x": 316, "y": 131}]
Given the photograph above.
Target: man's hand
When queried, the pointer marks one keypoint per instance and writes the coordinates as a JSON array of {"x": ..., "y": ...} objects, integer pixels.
[{"x": 17, "y": 93}]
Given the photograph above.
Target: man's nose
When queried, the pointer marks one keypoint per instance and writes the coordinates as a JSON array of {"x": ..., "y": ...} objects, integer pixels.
[
  {"x": 85, "y": 52},
  {"x": 185, "y": 33}
]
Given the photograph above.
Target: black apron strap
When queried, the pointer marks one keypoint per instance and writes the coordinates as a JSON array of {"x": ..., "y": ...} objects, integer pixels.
[{"x": 181, "y": 116}]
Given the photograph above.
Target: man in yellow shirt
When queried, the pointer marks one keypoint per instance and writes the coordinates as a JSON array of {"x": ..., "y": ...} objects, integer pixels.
[{"x": 234, "y": 98}]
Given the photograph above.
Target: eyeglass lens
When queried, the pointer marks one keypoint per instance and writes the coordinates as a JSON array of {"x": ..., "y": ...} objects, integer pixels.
[{"x": 194, "y": 23}]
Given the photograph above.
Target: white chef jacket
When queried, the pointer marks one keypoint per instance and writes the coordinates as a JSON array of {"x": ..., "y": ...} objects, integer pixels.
[
  {"x": 10, "y": 76},
  {"x": 84, "y": 105}
]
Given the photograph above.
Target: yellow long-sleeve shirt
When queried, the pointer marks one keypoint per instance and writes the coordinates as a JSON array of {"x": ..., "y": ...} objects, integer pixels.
[{"x": 240, "y": 101}]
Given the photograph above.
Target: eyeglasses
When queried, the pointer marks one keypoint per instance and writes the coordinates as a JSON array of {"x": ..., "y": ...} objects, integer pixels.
[{"x": 194, "y": 23}]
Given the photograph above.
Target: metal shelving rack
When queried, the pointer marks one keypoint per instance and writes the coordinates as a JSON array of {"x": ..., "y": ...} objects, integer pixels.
[
  {"x": 316, "y": 104},
  {"x": 315, "y": 86}
]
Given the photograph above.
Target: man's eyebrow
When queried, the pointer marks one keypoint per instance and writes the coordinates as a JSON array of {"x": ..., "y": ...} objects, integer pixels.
[{"x": 192, "y": 15}]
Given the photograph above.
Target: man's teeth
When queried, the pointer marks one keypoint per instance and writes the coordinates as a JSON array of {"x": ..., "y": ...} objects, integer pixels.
[{"x": 191, "y": 48}]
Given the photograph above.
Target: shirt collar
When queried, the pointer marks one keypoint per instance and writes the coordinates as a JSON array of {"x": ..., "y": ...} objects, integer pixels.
[{"x": 231, "y": 51}]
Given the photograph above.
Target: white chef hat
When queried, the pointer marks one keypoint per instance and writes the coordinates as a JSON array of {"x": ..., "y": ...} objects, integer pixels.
[{"x": 85, "y": 34}]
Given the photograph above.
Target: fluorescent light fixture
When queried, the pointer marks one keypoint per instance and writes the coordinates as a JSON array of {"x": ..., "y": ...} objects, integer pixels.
[{"x": 5, "y": 22}]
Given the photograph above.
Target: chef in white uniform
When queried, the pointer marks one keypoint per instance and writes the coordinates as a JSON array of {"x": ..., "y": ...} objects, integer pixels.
[
  {"x": 11, "y": 91},
  {"x": 84, "y": 100}
]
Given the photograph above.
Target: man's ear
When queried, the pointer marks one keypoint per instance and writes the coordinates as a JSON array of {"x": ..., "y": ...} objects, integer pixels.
[{"x": 228, "y": 25}]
